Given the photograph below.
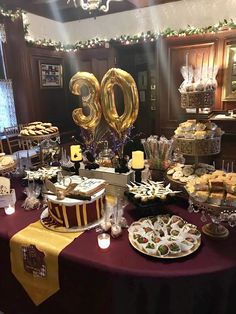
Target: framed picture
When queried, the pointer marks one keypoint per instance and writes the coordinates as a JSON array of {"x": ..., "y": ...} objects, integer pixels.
[{"x": 50, "y": 75}]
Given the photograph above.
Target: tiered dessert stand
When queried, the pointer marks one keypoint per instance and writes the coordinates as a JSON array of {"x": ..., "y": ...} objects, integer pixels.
[
  {"x": 191, "y": 146},
  {"x": 200, "y": 148}
]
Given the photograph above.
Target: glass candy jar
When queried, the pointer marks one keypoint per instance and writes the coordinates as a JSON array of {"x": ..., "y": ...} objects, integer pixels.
[
  {"x": 50, "y": 151},
  {"x": 105, "y": 156}
]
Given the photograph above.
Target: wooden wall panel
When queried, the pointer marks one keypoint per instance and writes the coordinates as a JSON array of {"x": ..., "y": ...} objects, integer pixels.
[{"x": 49, "y": 103}]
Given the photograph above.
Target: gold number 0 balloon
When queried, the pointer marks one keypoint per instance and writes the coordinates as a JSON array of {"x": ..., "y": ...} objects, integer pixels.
[
  {"x": 131, "y": 101},
  {"x": 91, "y": 100}
]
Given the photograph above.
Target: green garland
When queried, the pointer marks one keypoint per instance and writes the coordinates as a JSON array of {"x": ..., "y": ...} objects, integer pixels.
[
  {"x": 123, "y": 39},
  {"x": 135, "y": 39},
  {"x": 12, "y": 14}
]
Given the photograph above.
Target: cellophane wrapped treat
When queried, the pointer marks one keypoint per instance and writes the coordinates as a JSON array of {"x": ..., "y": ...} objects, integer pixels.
[{"x": 158, "y": 151}]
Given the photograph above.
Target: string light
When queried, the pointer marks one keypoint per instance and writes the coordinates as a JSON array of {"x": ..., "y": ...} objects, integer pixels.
[
  {"x": 140, "y": 38},
  {"x": 12, "y": 14},
  {"x": 123, "y": 39}
]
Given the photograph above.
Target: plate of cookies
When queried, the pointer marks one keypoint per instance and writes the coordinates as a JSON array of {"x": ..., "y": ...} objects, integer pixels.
[
  {"x": 38, "y": 129},
  {"x": 181, "y": 173}
]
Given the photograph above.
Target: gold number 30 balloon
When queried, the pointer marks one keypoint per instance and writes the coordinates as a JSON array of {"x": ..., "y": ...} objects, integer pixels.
[
  {"x": 91, "y": 101},
  {"x": 131, "y": 101},
  {"x": 113, "y": 77}
]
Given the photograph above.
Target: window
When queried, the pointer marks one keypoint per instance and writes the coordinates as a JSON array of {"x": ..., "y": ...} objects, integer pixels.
[{"x": 7, "y": 105}]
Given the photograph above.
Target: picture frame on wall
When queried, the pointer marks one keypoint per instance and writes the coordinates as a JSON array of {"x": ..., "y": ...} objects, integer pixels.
[{"x": 50, "y": 75}]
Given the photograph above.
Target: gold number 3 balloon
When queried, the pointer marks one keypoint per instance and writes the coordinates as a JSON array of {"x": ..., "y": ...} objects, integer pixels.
[
  {"x": 113, "y": 77},
  {"x": 131, "y": 101},
  {"x": 91, "y": 101}
]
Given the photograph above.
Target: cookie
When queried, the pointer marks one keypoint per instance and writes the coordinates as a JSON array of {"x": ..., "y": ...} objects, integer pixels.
[
  {"x": 40, "y": 127},
  {"x": 31, "y": 132},
  {"x": 200, "y": 171},
  {"x": 187, "y": 171},
  {"x": 47, "y": 125},
  {"x": 170, "y": 171},
  {"x": 35, "y": 123},
  {"x": 177, "y": 175},
  {"x": 38, "y": 132}
]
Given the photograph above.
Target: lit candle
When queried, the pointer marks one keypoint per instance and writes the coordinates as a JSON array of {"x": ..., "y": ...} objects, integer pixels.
[
  {"x": 138, "y": 159},
  {"x": 9, "y": 210},
  {"x": 104, "y": 240},
  {"x": 75, "y": 153}
]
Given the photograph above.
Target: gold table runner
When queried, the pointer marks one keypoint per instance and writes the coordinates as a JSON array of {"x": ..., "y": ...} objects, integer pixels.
[{"x": 34, "y": 259}]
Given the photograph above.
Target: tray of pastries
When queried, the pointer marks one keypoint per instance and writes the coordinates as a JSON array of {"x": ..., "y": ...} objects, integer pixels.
[
  {"x": 216, "y": 189},
  {"x": 41, "y": 174},
  {"x": 149, "y": 193},
  {"x": 164, "y": 236},
  {"x": 38, "y": 129},
  {"x": 201, "y": 138}
]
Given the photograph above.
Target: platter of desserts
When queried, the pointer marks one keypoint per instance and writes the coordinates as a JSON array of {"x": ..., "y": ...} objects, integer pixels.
[
  {"x": 148, "y": 193},
  {"x": 201, "y": 138},
  {"x": 38, "y": 129},
  {"x": 164, "y": 236},
  {"x": 199, "y": 130},
  {"x": 181, "y": 173},
  {"x": 216, "y": 189},
  {"x": 41, "y": 174}
]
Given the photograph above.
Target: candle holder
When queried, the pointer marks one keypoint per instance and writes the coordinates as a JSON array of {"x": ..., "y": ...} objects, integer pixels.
[
  {"x": 138, "y": 164},
  {"x": 121, "y": 166},
  {"x": 138, "y": 174},
  {"x": 90, "y": 164},
  {"x": 77, "y": 165},
  {"x": 9, "y": 210},
  {"x": 104, "y": 240}
]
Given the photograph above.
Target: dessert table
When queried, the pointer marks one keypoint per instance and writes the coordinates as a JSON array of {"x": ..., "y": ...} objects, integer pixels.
[{"x": 122, "y": 280}]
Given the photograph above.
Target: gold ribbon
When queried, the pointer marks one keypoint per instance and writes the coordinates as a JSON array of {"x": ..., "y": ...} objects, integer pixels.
[{"x": 49, "y": 243}]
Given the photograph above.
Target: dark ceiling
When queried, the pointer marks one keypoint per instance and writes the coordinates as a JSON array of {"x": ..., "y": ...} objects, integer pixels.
[{"x": 59, "y": 10}]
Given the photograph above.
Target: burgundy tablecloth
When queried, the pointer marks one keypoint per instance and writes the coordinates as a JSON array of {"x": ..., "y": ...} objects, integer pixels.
[{"x": 122, "y": 280}]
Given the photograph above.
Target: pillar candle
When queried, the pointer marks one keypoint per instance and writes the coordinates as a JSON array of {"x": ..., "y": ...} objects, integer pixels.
[
  {"x": 75, "y": 153},
  {"x": 138, "y": 159}
]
